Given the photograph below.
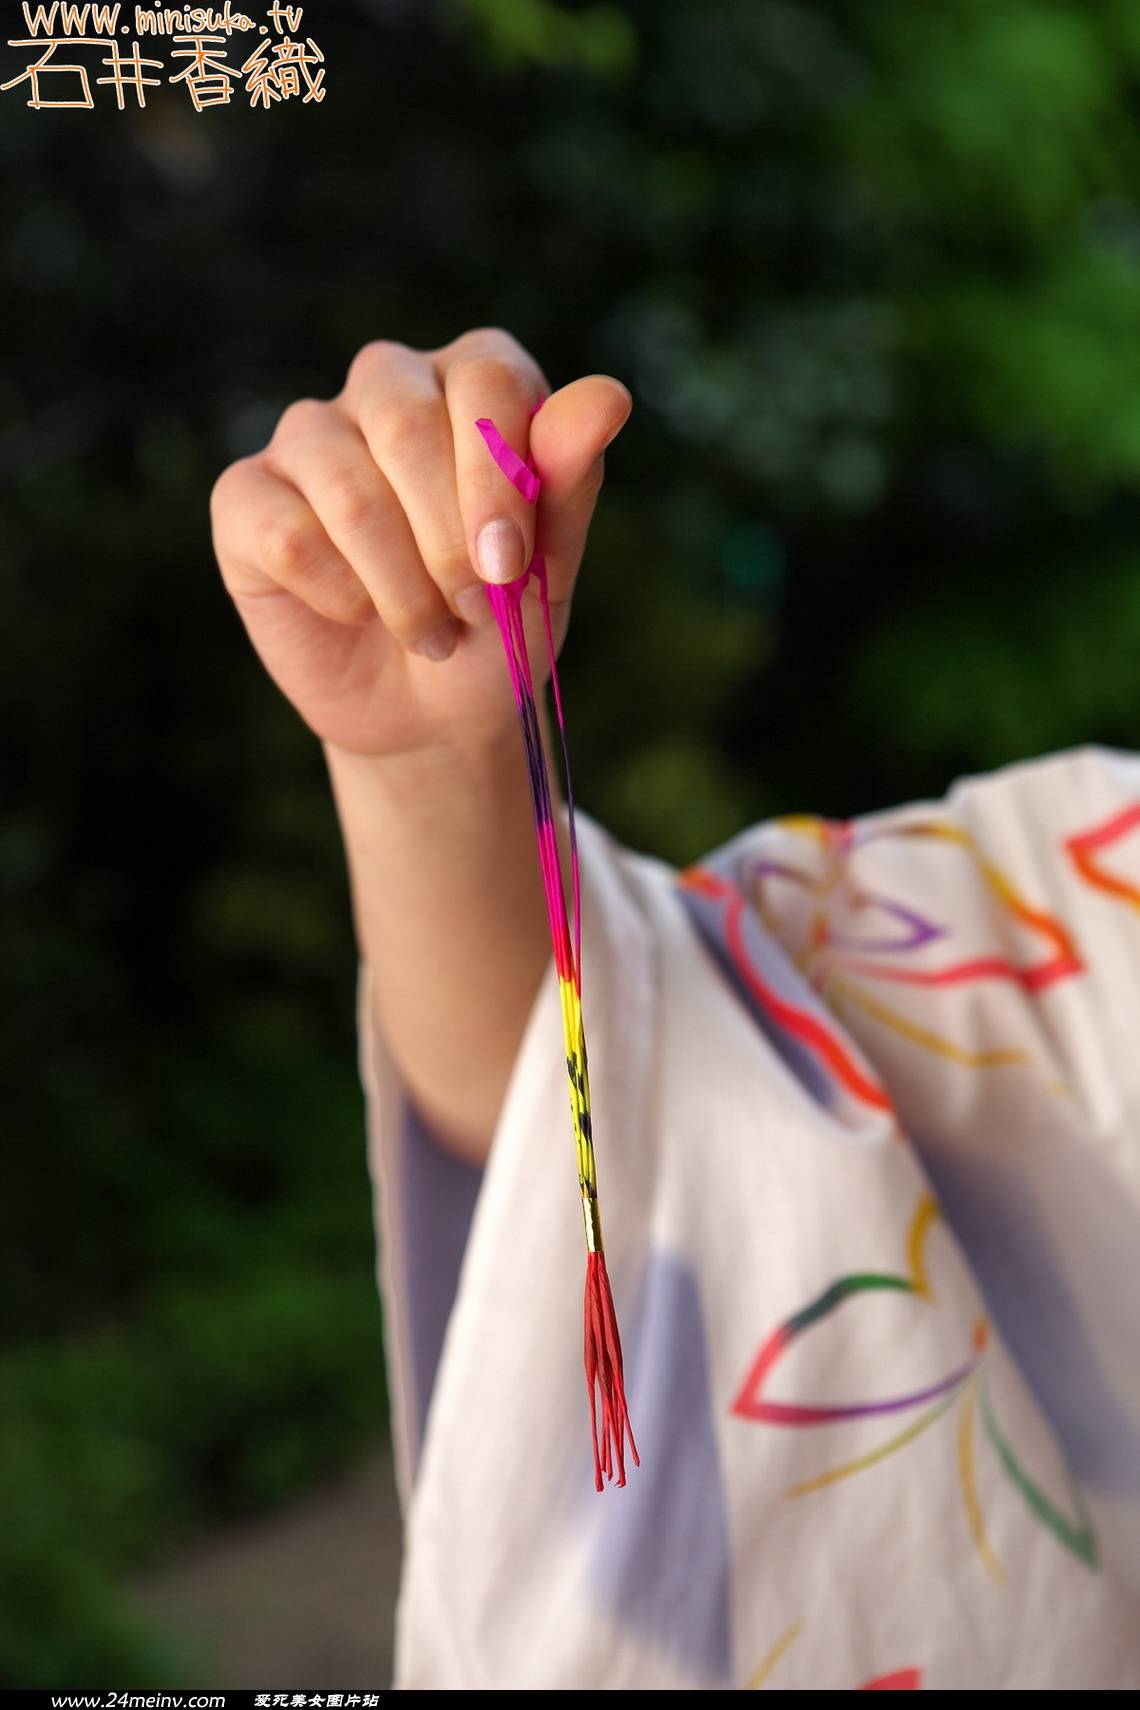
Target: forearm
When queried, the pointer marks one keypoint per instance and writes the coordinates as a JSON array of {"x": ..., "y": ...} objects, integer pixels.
[{"x": 450, "y": 918}]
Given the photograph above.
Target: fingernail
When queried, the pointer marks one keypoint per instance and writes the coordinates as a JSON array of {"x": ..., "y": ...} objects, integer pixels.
[
  {"x": 440, "y": 644},
  {"x": 613, "y": 433},
  {"x": 499, "y": 550},
  {"x": 473, "y": 605}
]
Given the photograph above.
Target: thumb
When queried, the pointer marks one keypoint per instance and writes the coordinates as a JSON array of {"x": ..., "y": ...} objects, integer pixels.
[{"x": 568, "y": 438}]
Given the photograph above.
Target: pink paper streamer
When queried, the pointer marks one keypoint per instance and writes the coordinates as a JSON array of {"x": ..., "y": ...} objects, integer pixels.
[{"x": 518, "y": 473}]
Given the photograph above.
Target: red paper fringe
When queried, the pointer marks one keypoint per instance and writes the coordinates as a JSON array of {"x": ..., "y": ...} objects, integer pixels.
[{"x": 605, "y": 1383}]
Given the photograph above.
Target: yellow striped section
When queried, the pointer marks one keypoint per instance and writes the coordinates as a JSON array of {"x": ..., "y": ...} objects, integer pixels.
[{"x": 579, "y": 1085}]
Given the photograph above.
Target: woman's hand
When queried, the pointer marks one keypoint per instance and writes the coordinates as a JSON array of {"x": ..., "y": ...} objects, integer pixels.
[
  {"x": 356, "y": 544},
  {"x": 355, "y": 547}
]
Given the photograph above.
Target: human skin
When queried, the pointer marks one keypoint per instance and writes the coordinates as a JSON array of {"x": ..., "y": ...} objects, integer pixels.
[{"x": 355, "y": 547}]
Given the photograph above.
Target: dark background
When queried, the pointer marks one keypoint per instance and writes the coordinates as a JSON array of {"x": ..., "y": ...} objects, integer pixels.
[{"x": 871, "y": 273}]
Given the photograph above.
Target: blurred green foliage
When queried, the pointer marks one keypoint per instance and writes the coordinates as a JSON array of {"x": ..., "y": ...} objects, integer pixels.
[{"x": 873, "y": 275}]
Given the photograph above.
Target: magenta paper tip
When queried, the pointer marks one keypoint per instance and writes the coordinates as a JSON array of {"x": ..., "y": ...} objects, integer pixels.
[{"x": 509, "y": 461}]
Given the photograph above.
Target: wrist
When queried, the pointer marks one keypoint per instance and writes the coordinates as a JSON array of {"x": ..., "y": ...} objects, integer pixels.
[{"x": 425, "y": 775}]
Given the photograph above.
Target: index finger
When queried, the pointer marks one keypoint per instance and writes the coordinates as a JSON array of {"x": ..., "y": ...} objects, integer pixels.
[{"x": 488, "y": 374}]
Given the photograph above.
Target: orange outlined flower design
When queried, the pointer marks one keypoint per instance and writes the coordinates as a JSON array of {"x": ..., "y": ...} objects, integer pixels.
[{"x": 1084, "y": 849}]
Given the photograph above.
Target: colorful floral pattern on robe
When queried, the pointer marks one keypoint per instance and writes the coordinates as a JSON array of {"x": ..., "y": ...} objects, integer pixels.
[{"x": 867, "y": 1105}]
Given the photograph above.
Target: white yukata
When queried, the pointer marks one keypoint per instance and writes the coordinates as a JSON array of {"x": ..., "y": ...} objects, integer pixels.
[{"x": 867, "y": 1109}]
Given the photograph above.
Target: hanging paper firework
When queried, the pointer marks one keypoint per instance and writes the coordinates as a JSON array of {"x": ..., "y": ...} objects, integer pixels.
[{"x": 605, "y": 1385}]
